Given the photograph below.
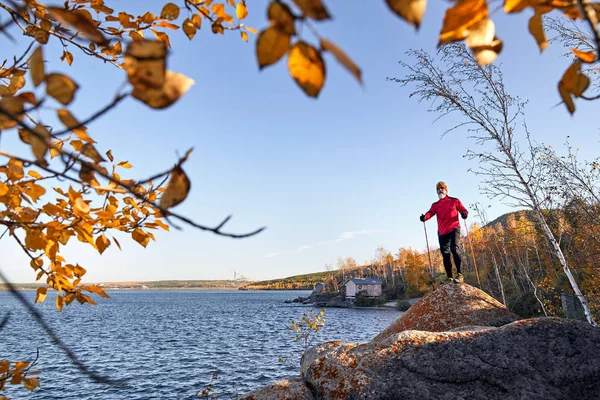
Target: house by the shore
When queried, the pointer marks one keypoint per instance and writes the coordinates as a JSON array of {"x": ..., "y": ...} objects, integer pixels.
[{"x": 367, "y": 287}]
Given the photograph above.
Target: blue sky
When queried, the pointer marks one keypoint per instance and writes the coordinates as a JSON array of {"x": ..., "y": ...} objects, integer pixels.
[{"x": 333, "y": 177}]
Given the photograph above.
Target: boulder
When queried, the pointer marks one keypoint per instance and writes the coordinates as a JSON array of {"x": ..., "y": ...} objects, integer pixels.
[
  {"x": 545, "y": 358},
  {"x": 450, "y": 306},
  {"x": 287, "y": 389},
  {"x": 340, "y": 302}
]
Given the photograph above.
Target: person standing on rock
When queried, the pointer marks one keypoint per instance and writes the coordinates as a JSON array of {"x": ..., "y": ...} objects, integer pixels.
[{"x": 447, "y": 209}]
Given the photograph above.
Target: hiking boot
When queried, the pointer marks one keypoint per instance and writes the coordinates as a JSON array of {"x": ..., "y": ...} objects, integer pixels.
[
  {"x": 459, "y": 278},
  {"x": 448, "y": 279}
]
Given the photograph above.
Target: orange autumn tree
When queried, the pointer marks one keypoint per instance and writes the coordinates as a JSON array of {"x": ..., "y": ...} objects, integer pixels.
[{"x": 43, "y": 216}]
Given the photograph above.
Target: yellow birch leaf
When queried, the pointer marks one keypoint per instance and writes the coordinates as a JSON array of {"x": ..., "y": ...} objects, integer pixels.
[
  {"x": 271, "y": 45},
  {"x": 460, "y": 17},
  {"x": 15, "y": 170},
  {"x": 244, "y": 36},
  {"x": 162, "y": 224},
  {"x": 251, "y": 30},
  {"x": 410, "y": 10},
  {"x": 36, "y": 66},
  {"x": 282, "y": 17},
  {"x": 86, "y": 174},
  {"x": 69, "y": 120},
  {"x": 3, "y": 189},
  {"x": 79, "y": 271},
  {"x": 583, "y": 82},
  {"x": 125, "y": 164},
  {"x": 536, "y": 28},
  {"x": 55, "y": 148},
  {"x": 67, "y": 56},
  {"x": 117, "y": 243},
  {"x": 36, "y": 263},
  {"x": 585, "y": 56},
  {"x": 109, "y": 155},
  {"x": 170, "y": 11},
  {"x": 307, "y": 68},
  {"x": 60, "y": 302},
  {"x": 90, "y": 151},
  {"x": 13, "y": 105},
  {"x": 313, "y": 9},
  {"x": 41, "y": 295},
  {"x": 140, "y": 236},
  {"x": 79, "y": 21},
  {"x": 217, "y": 28},
  {"x": 175, "y": 86},
  {"x": 486, "y": 54},
  {"x": 481, "y": 33},
  {"x": 39, "y": 143},
  {"x": 342, "y": 58},
  {"x": 145, "y": 63},
  {"x": 33, "y": 174},
  {"x": 514, "y": 6},
  {"x": 231, "y": 3},
  {"x": 61, "y": 87},
  {"x": 80, "y": 205},
  {"x": 35, "y": 240},
  {"x": 96, "y": 289},
  {"x": 177, "y": 189},
  {"x": 31, "y": 383},
  {"x": 241, "y": 11},
  {"x": 165, "y": 24},
  {"x": 197, "y": 21},
  {"x": 161, "y": 36},
  {"x": 189, "y": 28}
]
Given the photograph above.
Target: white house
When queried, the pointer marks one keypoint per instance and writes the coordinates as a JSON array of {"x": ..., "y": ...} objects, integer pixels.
[{"x": 368, "y": 287}]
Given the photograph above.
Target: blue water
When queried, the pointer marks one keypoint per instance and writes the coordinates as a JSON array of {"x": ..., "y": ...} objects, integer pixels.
[{"x": 167, "y": 344}]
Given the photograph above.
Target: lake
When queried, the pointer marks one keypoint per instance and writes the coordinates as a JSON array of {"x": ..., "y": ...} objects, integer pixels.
[{"x": 167, "y": 344}]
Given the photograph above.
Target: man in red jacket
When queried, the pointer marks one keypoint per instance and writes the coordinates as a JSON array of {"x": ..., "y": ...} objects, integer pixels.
[{"x": 447, "y": 209}]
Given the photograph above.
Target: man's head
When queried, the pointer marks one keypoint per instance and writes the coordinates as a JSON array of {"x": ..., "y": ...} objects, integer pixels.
[{"x": 442, "y": 189}]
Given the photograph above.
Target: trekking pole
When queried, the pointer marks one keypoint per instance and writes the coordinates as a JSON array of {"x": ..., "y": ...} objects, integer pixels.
[
  {"x": 472, "y": 254},
  {"x": 429, "y": 254}
]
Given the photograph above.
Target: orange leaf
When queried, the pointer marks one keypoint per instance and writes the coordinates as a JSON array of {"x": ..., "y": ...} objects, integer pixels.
[
  {"x": 177, "y": 189},
  {"x": 342, "y": 58},
  {"x": 241, "y": 11},
  {"x": 175, "y": 86},
  {"x": 271, "y": 45},
  {"x": 59, "y": 302},
  {"x": 140, "y": 236},
  {"x": 410, "y": 10},
  {"x": 313, "y": 9},
  {"x": 79, "y": 21},
  {"x": 282, "y": 17},
  {"x": 459, "y": 18},
  {"x": 61, "y": 87},
  {"x": 189, "y": 28},
  {"x": 585, "y": 56},
  {"x": 102, "y": 243},
  {"x": 536, "y": 28},
  {"x": 41, "y": 295},
  {"x": 170, "y": 11},
  {"x": 307, "y": 68},
  {"x": 36, "y": 66}
]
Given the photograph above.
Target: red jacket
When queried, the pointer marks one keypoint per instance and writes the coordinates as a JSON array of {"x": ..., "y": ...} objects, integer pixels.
[{"x": 447, "y": 210}]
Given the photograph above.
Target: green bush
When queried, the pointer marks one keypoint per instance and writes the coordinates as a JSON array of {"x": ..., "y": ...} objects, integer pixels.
[
  {"x": 403, "y": 304},
  {"x": 361, "y": 301}
]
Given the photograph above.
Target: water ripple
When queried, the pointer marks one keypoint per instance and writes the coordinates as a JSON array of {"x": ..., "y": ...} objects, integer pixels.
[{"x": 167, "y": 344}]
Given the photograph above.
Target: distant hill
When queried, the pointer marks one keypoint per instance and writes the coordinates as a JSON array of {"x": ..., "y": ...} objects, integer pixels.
[
  {"x": 300, "y": 282},
  {"x": 152, "y": 285}
]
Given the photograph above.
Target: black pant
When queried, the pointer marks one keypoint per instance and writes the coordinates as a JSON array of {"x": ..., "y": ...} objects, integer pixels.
[{"x": 450, "y": 243}]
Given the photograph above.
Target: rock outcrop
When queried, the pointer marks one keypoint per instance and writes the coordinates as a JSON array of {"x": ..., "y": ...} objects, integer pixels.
[
  {"x": 451, "y": 306},
  {"x": 456, "y": 343}
]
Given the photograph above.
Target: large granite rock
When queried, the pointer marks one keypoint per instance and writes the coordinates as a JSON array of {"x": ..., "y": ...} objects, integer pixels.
[
  {"x": 455, "y": 343},
  {"x": 546, "y": 358},
  {"x": 451, "y": 306},
  {"x": 288, "y": 389}
]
